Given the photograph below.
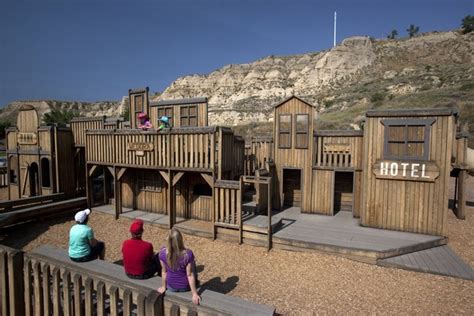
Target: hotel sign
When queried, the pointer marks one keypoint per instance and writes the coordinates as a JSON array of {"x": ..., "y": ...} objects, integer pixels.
[
  {"x": 140, "y": 148},
  {"x": 27, "y": 138},
  {"x": 405, "y": 170}
]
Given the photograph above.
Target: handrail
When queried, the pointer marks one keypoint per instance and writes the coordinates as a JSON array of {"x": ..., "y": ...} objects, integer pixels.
[{"x": 6, "y": 206}]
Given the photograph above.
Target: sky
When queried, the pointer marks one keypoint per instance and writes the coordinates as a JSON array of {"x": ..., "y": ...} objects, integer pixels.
[{"x": 95, "y": 50}]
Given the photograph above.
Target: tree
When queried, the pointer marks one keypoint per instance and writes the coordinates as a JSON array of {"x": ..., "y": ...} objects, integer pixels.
[
  {"x": 393, "y": 34},
  {"x": 126, "y": 113},
  {"x": 413, "y": 30},
  {"x": 467, "y": 24},
  {"x": 59, "y": 117}
]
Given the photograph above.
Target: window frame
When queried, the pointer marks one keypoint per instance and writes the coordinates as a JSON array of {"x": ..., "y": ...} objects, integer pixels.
[
  {"x": 301, "y": 132},
  {"x": 407, "y": 123},
  {"x": 135, "y": 108},
  {"x": 289, "y": 131},
  {"x": 166, "y": 109},
  {"x": 188, "y": 116},
  {"x": 143, "y": 184}
]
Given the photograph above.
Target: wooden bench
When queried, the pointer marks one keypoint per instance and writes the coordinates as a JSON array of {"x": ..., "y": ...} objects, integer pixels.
[
  {"x": 211, "y": 303},
  {"x": 34, "y": 212}
]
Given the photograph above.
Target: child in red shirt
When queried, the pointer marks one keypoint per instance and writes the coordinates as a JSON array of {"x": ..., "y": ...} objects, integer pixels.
[{"x": 138, "y": 258}]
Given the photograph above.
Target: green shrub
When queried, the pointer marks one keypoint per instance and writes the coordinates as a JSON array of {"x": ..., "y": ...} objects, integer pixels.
[{"x": 467, "y": 86}]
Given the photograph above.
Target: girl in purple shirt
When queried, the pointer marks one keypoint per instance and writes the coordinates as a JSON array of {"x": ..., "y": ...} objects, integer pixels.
[{"x": 177, "y": 264}]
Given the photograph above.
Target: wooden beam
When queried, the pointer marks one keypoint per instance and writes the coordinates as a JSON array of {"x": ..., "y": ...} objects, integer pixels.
[
  {"x": 209, "y": 179},
  {"x": 23, "y": 186},
  {"x": 170, "y": 202},
  {"x": 165, "y": 176},
  {"x": 120, "y": 173},
  {"x": 92, "y": 169},
  {"x": 462, "y": 182},
  {"x": 111, "y": 170},
  {"x": 177, "y": 177}
]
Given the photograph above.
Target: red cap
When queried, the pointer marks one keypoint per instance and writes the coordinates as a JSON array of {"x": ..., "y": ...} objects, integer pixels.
[{"x": 136, "y": 227}]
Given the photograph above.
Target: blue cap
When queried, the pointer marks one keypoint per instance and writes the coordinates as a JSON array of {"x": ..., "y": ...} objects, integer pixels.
[{"x": 164, "y": 119}]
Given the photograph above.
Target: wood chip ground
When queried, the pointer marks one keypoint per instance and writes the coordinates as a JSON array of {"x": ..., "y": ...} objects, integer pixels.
[{"x": 296, "y": 283}]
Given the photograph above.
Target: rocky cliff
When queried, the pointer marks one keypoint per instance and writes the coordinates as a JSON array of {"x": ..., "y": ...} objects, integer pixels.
[{"x": 433, "y": 69}]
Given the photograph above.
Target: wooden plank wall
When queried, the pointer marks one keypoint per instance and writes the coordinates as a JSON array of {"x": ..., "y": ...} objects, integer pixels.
[
  {"x": 408, "y": 205},
  {"x": 65, "y": 160},
  {"x": 202, "y": 116},
  {"x": 322, "y": 192},
  {"x": 80, "y": 125},
  {"x": 293, "y": 157}
]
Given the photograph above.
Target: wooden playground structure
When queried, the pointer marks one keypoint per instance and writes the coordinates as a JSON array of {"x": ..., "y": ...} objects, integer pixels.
[
  {"x": 392, "y": 175},
  {"x": 371, "y": 195}
]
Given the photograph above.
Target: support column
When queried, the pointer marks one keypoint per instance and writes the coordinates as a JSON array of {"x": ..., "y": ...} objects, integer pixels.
[
  {"x": 462, "y": 182},
  {"x": 88, "y": 187},
  {"x": 171, "y": 201}
]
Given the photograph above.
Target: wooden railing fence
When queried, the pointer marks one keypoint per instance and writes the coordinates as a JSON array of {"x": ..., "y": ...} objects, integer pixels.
[
  {"x": 8, "y": 205},
  {"x": 228, "y": 205}
]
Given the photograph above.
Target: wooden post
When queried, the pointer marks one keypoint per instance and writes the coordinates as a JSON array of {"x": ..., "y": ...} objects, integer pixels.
[
  {"x": 117, "y": 194},
  {"x": 239, "y": 207},
  {"x": 4, "y": 281},
  {"x": 56, "y": 292},
  {"x": 27, "y": 283},
  {"x": 171, "y": 198},
  {"x": 127, "y": 302},
  {"x": 213, "y": 206},
  {"x": 100, "y": 298},
  {"x": 66, "y": 276},
  {"x": 114, "y": 298},
  {"x": 269, "y": 209},
  {"x": 46, "y": 289},
  {"x": 105, "y": 188},
  {"x": 154, "y": 304},
  {"x": 15, "y": 276},
  {"x": 88, "y": 188},
  {"x": 78, "y": 308},
  {"x": 141, "y": 305},
  {"x": 37, "y": 287},
  {"x": 88, "y": 296},
  {"x": 461, "y": 209}
]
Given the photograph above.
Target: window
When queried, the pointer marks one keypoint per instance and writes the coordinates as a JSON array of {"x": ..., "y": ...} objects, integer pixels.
[
  {"x": 302, "y": 128},
  {"x": 149, "y": 181},
  {"x": 138, "y": 102},
  {"x": 202, "y": 189},
  {"x": 188, "y": 115},
  {"x": 284, "y": 131},
  {"x": 13, "y": 165},
  {"x": 166, "y": 111},
  {"x": 407, "y": 139},
  {"x": 45, "y": 176}
]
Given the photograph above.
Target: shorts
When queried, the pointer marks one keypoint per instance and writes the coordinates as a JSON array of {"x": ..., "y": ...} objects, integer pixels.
[{"x": 95, "y": 253}]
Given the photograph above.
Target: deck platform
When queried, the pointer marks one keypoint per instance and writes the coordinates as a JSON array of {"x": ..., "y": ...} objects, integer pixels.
[
  {"x": 439, "y": 260},
  {"x": 340, "y": 234}
]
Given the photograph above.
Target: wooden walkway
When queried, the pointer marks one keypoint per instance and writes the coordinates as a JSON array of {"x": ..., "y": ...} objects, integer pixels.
[
  {"x": 439, "y": 260},
  {"x": 342, "y": 234}
]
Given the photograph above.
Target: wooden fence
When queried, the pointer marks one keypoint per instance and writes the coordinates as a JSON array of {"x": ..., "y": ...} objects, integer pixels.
[
  {"x": 338, "y": 149},
  {"x": 228, "y": 205},
  {"x": 46, "y": 282}
]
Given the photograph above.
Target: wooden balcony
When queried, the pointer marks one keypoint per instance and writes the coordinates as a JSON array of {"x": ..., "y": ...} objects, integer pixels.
[{"x": 202, "y": 149}]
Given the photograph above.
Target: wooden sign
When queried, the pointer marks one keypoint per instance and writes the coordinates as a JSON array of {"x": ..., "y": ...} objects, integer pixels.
[
  {"x": 140, "y": 148},
  {"x": 27, "y": 138},
  {"x": 426, "y": 171},
  {"x": 337, "y": 148}
]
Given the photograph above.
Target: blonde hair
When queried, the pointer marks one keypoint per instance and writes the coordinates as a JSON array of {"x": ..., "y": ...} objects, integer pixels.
[{"x": 175, "y": 247}]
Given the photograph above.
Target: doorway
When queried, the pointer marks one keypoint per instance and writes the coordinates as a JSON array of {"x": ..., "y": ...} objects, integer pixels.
[
  {"x": 34, "y": 179},
  {"x": 292, "y": 187},
  {"x": 343, "y": 191}
]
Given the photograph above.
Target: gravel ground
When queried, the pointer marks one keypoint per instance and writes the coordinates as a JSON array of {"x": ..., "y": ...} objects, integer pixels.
[{"x": 296, "y": 283}]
